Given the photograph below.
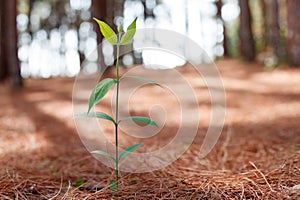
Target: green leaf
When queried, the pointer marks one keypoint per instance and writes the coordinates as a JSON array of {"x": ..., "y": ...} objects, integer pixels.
[
  {"x": 99, "y": 91},
  {"x": 113, "y": 185},
  {"x": 127, "y": 37},
  {"x": 142, "y": 79},
  {"x": 107, "y": 32},
  {"x": 79, "y": 182},
  {"x": 145, "y": 120},
  {"x": 101, "y": 115},
  {"x": 103, "y": 153},
  {"x": 128, "y": 150}
]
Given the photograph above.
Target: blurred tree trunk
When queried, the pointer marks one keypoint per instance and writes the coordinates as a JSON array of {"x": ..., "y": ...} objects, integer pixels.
[
  {"x": 3, "y": 69},
  {"x": 9, "y": 60},
  {"x": 119, "y": 8},
  {"x": 266, "y": 4},
  {"x": 148, "y": 12},
  {"x": 293, "y": 38},
  {"x": 219, "y": 5},
  {"x": 272, "y": 28},
  {"x": 275, "y": 36},
  {"x": 110, "y": 13},
  {"x": 247, "y": 46},
  {"x": 98, "y": 10},
  {"x": 30, "y": 7}
]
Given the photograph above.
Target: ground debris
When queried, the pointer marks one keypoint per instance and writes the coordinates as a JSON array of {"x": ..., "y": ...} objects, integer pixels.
[{"x": 256, "y": 157}]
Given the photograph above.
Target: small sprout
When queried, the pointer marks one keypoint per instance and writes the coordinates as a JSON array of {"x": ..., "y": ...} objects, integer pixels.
[
  {"x": 102, "y": 88},
  {"x": 120, "y": 28}
]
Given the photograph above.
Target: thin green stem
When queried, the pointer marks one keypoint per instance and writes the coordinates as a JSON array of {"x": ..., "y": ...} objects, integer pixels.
[
  {"x": 117, "y": 62},
  {"x": 117, "y": 155},
  {"x": 117, "y": 111},
  {"x": 116, "y": 134}
]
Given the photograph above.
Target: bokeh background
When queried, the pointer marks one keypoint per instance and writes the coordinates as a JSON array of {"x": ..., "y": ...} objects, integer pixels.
[{"x": 55, "y": 36}]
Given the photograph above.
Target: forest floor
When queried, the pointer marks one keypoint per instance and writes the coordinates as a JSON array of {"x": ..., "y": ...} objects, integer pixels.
[{"x": 256, "y": 157}]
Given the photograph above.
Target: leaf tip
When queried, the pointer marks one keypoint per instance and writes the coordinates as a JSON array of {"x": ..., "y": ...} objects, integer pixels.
[
  {"x": 154, "y": 124},
  {"x": 89, "y": 109},
  {"x": 120, "y": 28},
  {"x": 95, "y": 19}
]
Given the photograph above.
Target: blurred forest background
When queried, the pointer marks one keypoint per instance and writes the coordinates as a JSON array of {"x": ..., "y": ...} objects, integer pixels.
[
  {"x": 256, "y": 46},
  {"x": 48, "y": 38}
]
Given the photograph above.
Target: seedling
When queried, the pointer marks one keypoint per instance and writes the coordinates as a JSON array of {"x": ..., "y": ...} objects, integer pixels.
[{"x": 101, "y": 89}]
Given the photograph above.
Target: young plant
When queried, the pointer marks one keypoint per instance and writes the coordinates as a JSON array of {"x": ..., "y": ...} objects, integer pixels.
[{"x": 106, "y": 84}]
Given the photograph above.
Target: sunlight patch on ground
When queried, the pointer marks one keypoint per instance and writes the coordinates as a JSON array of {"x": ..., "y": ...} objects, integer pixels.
[
  {"x": 24, "y": 143},
  {"x": 18, "y": 135},
  {"x": 59, "y": 110}
]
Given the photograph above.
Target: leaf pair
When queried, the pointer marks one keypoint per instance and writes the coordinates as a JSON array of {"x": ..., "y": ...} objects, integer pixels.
[
  {"x": 103, "y": 87},
  {"x": 124, "y": 153},
  {"x": 103, "y": 115},
  {"x": 112, "y": 37}
]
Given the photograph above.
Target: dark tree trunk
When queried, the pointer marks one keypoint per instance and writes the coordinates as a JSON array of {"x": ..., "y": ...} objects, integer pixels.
[
  {"x": 98, "y": 10},
  {"x": 110, "y": 13},
  {"x": 3, "y": 71},
  {"x": 272, "y": 37},
  {"x": 275, "y": 36},
  {"x": 266, "y": 5},
  {"x": 219, "y": 5},
  {"x": 10, "y": 64},
  {"x": 247, "y": 46},
  {"x": 147, "y": 12},
  {"x": 293, "y": 38},
  {"x": 119, "y": 8},
  {"x": 30, "y": 6}
]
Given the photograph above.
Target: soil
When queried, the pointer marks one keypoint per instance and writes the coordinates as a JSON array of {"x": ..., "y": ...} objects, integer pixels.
[{"x": 256, "y": 157}]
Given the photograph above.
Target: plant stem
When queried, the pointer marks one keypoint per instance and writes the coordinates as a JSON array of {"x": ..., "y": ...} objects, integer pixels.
[
  {"x": 117, "y": 111},
  {"x": 117, "y": 155}
]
